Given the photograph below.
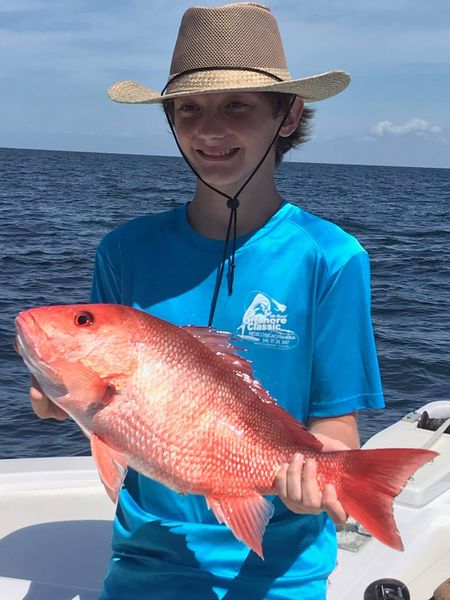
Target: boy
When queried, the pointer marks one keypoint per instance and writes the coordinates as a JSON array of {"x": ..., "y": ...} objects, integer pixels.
[{"x": 296, "y": 293}]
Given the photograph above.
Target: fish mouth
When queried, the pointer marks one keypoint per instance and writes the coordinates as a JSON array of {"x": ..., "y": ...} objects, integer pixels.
[
  {"x": 26, "y": 344},
  {"x": 27, "y": 330},
  {"x": 26, "y": 325}
]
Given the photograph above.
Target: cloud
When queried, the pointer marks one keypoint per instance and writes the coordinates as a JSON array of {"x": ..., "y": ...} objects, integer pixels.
[{"x": 413, "y": 126}]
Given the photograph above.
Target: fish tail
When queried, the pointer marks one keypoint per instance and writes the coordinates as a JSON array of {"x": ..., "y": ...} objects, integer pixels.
[{"x": 371, "y": 480}]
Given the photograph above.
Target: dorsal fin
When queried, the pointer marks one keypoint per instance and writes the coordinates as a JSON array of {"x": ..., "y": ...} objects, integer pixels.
[
  {"x": 220, "y": 343},
  {"x": 297, "y": 430}
]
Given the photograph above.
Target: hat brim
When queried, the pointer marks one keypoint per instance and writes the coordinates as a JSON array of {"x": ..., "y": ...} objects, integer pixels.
[{"x": 311, "y": 89}]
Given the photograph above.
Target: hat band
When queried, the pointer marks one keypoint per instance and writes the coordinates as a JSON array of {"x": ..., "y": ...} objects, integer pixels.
[{"x": 204, "y": 79}]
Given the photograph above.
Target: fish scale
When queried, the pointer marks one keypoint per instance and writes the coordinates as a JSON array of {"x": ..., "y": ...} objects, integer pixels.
[{"x": 179, "y": 405}]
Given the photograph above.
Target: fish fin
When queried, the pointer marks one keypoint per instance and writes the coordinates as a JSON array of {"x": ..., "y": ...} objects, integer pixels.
[
  {"x": 111, "y": 465},
  {"x": 83, "y": 383},
  {"x": 220, "y": 343},
  {"x": 296, "y": 430},
  {"x": 246, "y": 516},
  {"x": 371, "y": 480}
]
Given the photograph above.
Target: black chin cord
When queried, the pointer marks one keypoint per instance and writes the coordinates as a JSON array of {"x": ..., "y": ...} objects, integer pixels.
[{"x": 233, "y": 205}]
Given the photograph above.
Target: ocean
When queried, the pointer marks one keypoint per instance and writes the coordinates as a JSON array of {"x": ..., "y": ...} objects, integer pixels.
[{"x": 56, "y": 206}]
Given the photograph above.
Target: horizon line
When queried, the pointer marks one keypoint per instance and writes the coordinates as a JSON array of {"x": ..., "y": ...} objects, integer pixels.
[{"x": 181, "y": 158}]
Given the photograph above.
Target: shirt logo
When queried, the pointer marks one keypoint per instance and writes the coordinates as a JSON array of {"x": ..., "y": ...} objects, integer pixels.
[{"x": 264, "y": 323}]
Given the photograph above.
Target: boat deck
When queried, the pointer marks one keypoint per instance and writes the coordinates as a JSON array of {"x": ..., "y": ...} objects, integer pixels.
[{"x": 55, "y": 529}]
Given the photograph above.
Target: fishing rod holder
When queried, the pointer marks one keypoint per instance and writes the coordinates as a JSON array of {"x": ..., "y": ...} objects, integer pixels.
[{"x": 387, "y": 589}]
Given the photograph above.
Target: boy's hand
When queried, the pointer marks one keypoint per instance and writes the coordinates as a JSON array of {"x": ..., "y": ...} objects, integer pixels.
[
  {"x": 296, "y": 485},
  {"x": 43, "y": 406}
]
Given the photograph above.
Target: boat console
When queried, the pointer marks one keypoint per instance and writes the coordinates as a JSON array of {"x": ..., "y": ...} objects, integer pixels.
[{"x": 422, "y": 514}]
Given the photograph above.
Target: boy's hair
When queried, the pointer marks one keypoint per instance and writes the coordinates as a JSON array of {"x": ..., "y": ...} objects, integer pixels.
[{"x": 280, "y": 104}]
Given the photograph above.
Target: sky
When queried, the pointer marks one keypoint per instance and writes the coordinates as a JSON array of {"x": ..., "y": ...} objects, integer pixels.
[{"x": 58, "y": 58}]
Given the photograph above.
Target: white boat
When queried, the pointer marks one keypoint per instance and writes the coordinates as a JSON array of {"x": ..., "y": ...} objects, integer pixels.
[
  {"x": 55, "y": 529},
  {"x": 55, "y": 525},
  {"x": 422, "y": 514}
]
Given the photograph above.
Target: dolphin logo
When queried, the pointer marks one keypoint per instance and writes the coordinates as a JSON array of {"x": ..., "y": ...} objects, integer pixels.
[{"x": 261, "y": 309}]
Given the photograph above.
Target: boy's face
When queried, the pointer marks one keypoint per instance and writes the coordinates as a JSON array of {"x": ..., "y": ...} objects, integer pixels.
[{"x": 224, "y": 135}]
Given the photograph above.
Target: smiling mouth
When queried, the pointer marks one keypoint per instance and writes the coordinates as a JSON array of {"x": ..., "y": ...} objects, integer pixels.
[{"x": 217, "y": 155}]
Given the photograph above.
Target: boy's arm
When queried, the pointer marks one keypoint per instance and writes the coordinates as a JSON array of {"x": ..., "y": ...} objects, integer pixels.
[
  {"x": 296, "y": 482},
  {"x": 343, "y": 428}
]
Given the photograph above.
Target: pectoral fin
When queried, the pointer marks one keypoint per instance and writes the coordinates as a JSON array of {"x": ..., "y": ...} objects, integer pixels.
[
  {"x": 111, "y": 465},
  {"x": 246, "y": 516},
  {"x": 84, "y": 384}
]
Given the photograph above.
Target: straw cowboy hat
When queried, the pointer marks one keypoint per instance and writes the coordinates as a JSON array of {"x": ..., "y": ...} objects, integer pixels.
[{"x": 235, "y": 47}]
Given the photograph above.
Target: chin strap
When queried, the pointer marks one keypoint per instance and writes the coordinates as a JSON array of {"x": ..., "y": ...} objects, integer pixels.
[{"x": 233, "y": 205}]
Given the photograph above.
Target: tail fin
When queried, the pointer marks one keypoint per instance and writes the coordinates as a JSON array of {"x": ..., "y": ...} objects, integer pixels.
[{"x": 371, "y": 481}]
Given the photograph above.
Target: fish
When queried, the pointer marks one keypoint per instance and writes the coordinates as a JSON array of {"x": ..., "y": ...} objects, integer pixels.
[{"x": 182, "y": 406}]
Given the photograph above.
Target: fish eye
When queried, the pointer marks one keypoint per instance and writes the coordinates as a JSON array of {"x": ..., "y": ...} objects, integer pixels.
[{"x": 84, "y": 318}]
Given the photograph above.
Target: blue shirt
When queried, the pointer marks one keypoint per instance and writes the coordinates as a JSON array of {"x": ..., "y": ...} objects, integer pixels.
[{"x": 301, "y": 308}]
